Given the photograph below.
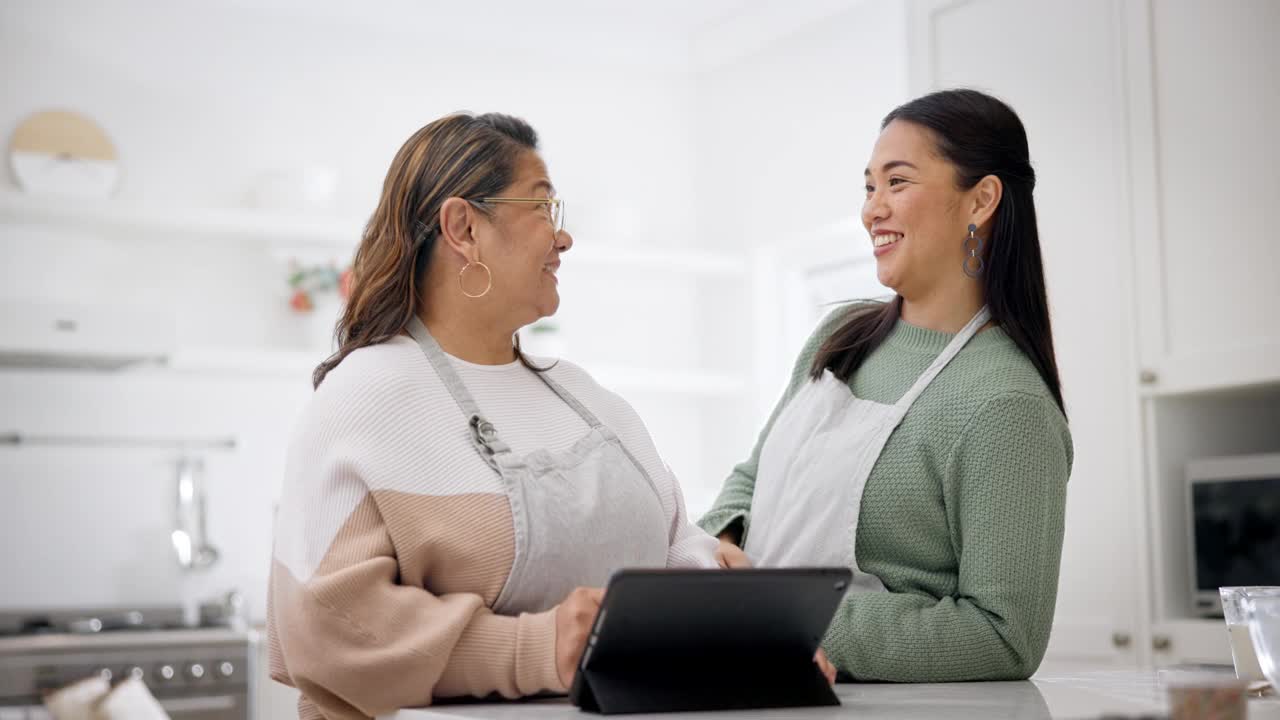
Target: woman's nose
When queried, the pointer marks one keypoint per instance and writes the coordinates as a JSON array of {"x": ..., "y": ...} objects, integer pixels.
[
  {"x": 564, "y": 241},
  {"x": 874, "y": 209}
]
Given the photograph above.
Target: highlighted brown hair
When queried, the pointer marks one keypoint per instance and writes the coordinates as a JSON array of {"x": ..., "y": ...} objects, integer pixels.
[{"x": 460, "y": 155}]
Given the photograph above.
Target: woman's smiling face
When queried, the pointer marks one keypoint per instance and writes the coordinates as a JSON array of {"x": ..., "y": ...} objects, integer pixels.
[
  {"x": 914, "y": 212},
  {"x": 522, "y": 248}
]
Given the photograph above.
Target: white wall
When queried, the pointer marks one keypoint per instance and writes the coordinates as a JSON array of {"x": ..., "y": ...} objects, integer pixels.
[
  {"x": 784, "y": 133},
  {"x": 199, "y": 100},
  {"x": 661, "y": 128},
  {"x": 727, "y": 126}
]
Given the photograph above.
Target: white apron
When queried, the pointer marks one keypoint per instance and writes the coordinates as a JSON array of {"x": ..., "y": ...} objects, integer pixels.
[
  {"x": 814, "y": 467},
  {"x": 579, "y": 515}
]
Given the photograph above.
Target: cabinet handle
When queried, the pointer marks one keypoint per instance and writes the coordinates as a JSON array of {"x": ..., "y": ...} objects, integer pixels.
[
  {"x": 1148, "y": 377},
  {"x": 1121, "y": 639},
  {"x": 1161, "y": 643}
]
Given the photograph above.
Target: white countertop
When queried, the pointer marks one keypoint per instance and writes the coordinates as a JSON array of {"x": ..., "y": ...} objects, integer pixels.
[{"x": 1077, "y": 695}]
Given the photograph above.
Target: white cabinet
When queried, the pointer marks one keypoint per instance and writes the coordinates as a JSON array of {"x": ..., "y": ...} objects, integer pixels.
[
  {"x": 1202, "y": 156},
  {"x": 1205, "y": 102}
]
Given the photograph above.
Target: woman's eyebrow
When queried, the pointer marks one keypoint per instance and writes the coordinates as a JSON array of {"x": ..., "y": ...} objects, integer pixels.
[{"x": 891, "y": 165}]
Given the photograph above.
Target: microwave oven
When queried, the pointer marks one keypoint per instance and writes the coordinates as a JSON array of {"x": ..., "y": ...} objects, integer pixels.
[{"x": 1234, "y": 525}]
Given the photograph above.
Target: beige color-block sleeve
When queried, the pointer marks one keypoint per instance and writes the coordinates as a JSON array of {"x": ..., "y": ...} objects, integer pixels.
[{"x": 357, "y": 643}]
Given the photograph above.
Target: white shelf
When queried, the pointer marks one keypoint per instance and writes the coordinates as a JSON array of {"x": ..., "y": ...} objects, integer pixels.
[
  {"x": 673, "y": 382},
  {"x": 679, "y": 261},
  {"x": 298, "y": 363},
  {"x": 196, "y": 223},
  {"x": 309, "y": 232},
  {"x": 245, "y": 362}
]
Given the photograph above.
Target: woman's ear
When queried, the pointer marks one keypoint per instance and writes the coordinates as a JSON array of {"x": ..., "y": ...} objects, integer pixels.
[
  {"x": 456, "y": 229},
  {"x": 986, "y": 198}
]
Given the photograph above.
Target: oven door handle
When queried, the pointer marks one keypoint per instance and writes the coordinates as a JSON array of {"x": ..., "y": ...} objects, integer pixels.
[{"x": 202, "y": 703}]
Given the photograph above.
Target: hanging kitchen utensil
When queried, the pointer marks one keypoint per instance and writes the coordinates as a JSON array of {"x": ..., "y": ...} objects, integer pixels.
[{"x": 190, "y": 536}]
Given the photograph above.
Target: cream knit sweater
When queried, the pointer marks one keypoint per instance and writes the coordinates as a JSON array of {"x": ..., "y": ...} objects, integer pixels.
[{"x": 394, "y": 538}]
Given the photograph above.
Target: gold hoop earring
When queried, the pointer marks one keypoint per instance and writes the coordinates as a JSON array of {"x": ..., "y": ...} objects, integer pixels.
[{"x": 487, "y": 273}]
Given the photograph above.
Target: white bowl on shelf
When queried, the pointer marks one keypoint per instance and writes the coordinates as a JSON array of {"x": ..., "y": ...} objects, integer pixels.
[{"x": 311, "y": 187}]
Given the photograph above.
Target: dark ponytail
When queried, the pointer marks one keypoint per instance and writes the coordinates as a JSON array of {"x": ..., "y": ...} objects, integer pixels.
[{"x": 980, "y": 136}]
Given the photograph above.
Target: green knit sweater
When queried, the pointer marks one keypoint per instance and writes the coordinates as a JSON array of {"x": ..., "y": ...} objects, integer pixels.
[{"x": 961, "y": 519}]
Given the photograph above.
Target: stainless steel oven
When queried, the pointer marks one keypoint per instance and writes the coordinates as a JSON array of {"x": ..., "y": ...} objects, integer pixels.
[{"x": 201, "y": 673}]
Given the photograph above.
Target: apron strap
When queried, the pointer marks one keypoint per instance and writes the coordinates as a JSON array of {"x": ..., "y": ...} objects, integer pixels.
[
  {"x": 587, "y": 416},
  {"x": 482, "y": 430},
  {"x": 483, "y": 433},
  {"x": 953, "y": 348}
]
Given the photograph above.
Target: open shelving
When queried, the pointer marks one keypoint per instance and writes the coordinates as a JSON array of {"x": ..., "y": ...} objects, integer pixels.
[
  {"x": 290, "y": 231},
  {"x": 285, "y": 233},
  {"x": 297, "y": 363}
]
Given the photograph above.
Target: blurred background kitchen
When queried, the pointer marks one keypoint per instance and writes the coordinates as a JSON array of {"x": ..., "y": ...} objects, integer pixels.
[{"x": 187, "y": 181}]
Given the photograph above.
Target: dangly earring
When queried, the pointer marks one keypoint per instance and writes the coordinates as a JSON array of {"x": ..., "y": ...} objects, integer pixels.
[{"x": 973, "y": 244}]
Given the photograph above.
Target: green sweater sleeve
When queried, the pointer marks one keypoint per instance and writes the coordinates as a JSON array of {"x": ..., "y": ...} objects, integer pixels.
[
  {"x": 733, "y": 504},
  {"x": 1004, "y": 488}
]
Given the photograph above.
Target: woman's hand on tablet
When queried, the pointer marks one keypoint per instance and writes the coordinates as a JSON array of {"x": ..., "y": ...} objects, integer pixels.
[
  {"x": 729, "y": 555},
  {"x": 825, "y": 666},
  {"x": 574, "y": 617}
]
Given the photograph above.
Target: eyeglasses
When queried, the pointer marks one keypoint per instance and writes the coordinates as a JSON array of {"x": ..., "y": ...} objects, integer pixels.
[{"x": 554, "y": 207}]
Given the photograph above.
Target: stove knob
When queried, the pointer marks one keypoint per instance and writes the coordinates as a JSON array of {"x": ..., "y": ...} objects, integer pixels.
[
  {"x": 136, "y": 673},
  {"x": 226, "y": 669},
  {"x": 195, "y": 671},
  {"x": 106, "y": 674},
  {"x": 166, "y": 673}
]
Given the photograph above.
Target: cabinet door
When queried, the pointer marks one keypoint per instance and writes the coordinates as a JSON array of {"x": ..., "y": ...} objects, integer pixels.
[
  {"x": 1059, "y": 66},
  {"x": 1190, "y": 642},
  {"x": 1205, "y": 106}
]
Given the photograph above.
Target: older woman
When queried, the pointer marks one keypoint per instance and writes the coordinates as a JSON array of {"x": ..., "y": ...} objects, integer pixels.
[
  {"x": 451, "y": 506},
  {"x": 923, "y": 442}
]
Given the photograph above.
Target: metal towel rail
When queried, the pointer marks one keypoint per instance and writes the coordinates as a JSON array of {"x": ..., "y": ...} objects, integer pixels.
[{"x": 123, "y": 441}]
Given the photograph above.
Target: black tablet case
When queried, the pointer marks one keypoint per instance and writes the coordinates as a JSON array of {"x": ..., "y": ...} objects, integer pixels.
[{"x": 690, "y": 640}]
